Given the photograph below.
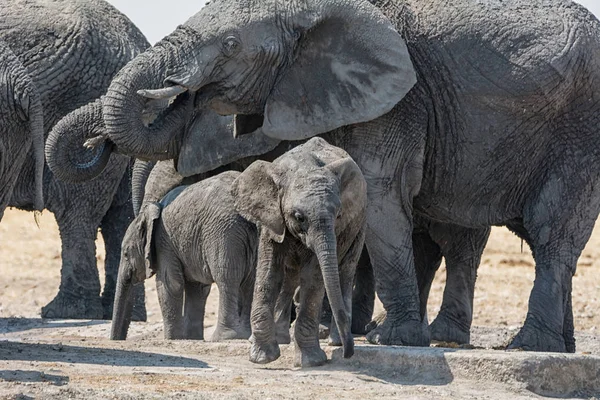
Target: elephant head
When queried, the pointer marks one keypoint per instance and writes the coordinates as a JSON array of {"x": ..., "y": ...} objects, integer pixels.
[
  {"x": 313, "y": 203},
  {"x": 21, "y": 127},
  {"x": 286, "y": 69},
  {"x": 137, "y": 264}
]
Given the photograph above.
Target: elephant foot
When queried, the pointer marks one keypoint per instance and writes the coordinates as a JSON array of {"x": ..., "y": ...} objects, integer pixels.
[
  {"x": 360, "y": 320},
  {"x": 263, "y": 353},
  {"x": 534, "y": 339},
  {"x": 309, "y": 357},
  {"x": 221, "y": 334},
  {"x": 73, "y": 307},
  {"x": 445, "y": 329},
  {"x": 404, "y": 333}
]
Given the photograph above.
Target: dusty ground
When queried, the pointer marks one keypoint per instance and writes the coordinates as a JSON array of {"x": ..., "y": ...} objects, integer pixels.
[{"x": 73, "y": 359}]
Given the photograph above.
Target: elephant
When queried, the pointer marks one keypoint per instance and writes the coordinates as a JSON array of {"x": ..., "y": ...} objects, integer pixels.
[
  {"x": 473, "y": 114},
  {"x": 310, "y": 206},
  {"x": 21, "y": 128},
  {"x": 70, "y": 50},
  {"x": 461, "y": 247},
  {"x": 191, "y": 238}
]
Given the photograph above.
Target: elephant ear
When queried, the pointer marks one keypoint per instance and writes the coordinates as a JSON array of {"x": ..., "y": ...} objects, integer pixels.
[
  {"x": 257, "y": 199},
  {"x": 149, "y": 213},
  {"x": 351, "y": 66},
  {"x": 209, "y": 144},
  {"x": 353, "y": 186}
]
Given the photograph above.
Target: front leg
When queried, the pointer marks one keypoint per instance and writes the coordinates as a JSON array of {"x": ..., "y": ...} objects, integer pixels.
[
  {"x": 269, "y": 279},
  {"x": 389, "y": 241},
  {"x": 194, "y": 307},
  {"x": 306, "y": 328}
]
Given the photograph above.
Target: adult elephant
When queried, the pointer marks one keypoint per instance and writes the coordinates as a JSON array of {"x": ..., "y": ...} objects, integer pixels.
[
  {"x": 467, "y": 113},
  {"x": 71, "y": 49},
  {"x": 21, "y": 128}
]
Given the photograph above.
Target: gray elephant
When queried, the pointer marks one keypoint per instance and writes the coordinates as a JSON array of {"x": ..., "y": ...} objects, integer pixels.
[
  {"x": 21, "y": 128},
  {"x": 71, "y": 49},
  {"x": 310, "y": 206},
  {"x": 468, "y": 113},
  {"x": 192, "y": 238},
  {"x": 214, "y": 146}
]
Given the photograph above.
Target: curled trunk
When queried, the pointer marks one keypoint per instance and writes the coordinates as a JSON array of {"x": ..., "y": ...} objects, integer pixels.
[
  {"x": 66, "y": 155},
  {"x": 145, "y": 127},
  {"x": 325, "y": 247}
]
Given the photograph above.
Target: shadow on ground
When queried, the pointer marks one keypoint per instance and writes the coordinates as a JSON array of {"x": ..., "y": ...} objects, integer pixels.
[
  {"x": 11, "y": 325},
  {"x": 33, "y": 376},
  {"x": 13, "y": 351}
]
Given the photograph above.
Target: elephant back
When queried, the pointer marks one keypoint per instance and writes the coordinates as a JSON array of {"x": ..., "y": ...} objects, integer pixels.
[{"x": 71, "y": 48}]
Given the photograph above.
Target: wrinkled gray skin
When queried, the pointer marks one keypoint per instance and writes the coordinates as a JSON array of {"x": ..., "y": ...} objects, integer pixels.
[
  {"x": 152, "y": 181},
  {"x": 71, "y": 50},
  {"x": 189, "y": 241},
  {"x": 467, "y": 113},
  {"x": 21, "y": 128},
  {"x": 310, "y": 205}
]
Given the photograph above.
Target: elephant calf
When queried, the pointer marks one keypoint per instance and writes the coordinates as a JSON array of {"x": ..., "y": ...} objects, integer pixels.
[
  {"x": 310, "y": 205},
  {"x": 190, "y": 239}
]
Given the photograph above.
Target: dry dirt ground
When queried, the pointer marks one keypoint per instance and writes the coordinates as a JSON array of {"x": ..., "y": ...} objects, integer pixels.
[{"x": 74, "y": 359}]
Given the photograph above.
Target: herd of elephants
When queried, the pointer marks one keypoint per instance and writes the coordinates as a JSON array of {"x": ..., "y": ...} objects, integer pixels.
[{"x": 290, "y": 149}]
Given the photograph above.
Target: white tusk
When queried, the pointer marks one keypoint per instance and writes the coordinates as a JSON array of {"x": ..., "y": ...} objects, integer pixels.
[{"x": 163, "y": 93}]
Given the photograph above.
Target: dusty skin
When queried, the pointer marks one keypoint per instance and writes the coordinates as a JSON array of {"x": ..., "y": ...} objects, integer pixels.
[{"x": 74, "y": 359}]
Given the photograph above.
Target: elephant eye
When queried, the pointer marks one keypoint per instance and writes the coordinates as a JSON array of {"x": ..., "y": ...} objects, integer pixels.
[
  {"x": 230, "y": 45},
  {"x": 299, "y": 217}
]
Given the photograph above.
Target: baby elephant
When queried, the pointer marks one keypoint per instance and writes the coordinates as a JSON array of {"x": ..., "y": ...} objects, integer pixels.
[
  {"x": 192, "y": 238},
  {"x": 310, "y": 205}
]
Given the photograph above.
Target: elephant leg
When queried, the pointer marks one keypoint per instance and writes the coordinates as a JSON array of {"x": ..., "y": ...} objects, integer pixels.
[
  {"x": 113, "y": 227},
  {"x": 462, "y": 249},
  {"x": 194, "y": 308},
  {"x": 228, "y": 319},
  {"x": 559, "y": 223},
  {"x": 347, "y": 276},
  {"x": 284, "y": 305},
  {"x": 389, "y": 242},
  {"x": 428, "y": 258},
  {"x": 245, "y": 307},
  {"x": 363, "y": 297},
  {"x": 308, "y": 352},
  {"x": 269, "y": 279},
  {"x": 79, "y": 292},
  {"x": 170, "y": 287}
]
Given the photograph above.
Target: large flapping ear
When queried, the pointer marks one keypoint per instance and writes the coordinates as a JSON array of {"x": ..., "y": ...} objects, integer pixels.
[
  {"x": 351, "y": 66},
  {"x": 209, "y": 144},
  {"x": 149, "y": 213},
  {"x": 257, "y": 199}
]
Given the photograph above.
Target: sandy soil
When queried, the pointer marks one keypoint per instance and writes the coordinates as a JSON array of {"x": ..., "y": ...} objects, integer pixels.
[{"x": 73, "y": 359}]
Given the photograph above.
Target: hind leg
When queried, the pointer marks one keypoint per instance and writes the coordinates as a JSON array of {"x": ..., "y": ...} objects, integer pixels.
[
  {"x": 363, "y": 296},
  {"x": 559, "y": 222},
  {"x": 79, "y": 292},
  {"x": 462, "y": 249}
]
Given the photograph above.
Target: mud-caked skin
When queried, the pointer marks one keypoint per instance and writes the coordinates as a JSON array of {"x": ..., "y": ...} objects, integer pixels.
[
  {"x": 310, "y": 206},
  {"x": 71, "y": 49},
  {"x": 190, "y": 239}
]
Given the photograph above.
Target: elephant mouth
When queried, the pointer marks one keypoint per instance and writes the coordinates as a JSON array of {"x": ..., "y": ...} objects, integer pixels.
[{"x": 156, "y": 109}]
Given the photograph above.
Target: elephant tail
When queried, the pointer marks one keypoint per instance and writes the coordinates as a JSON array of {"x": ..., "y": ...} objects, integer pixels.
[{"x": 36, "y": 126}]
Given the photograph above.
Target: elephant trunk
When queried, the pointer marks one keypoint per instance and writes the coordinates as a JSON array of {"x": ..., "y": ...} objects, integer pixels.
[
  {"x": 139, "y": 177},
  {"x": 141, "y": 121},
  {"x": 123, "y": 305},
  {"x": 325, "y": 247},
  {"x": 66, "y": 155}
]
